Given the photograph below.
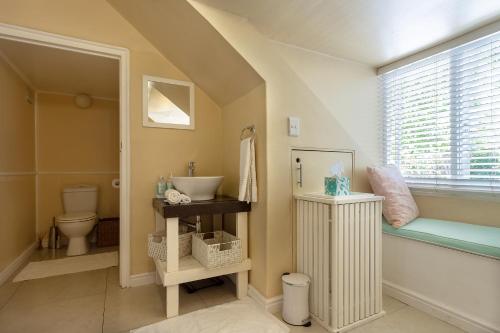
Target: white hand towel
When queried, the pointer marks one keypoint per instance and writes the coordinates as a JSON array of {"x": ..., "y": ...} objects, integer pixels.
[
  {"x": 248, "y": 175},
  {"x": 172, "y": 196},
  {"x": 244, "y": 168},
  {"x": 185, "y": 199},
  {"x": 253, "y": 173}
]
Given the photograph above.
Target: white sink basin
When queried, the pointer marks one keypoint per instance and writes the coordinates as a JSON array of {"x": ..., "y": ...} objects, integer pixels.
[{"x": 198, "y": 188}]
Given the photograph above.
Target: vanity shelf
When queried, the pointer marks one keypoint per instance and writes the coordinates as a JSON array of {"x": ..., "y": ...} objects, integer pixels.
[
  {"x": 191, "y": 270},
  {"x": 175, "y": 270}
]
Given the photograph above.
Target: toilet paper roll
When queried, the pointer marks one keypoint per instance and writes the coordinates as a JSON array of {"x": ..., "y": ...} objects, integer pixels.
[{"x": 115, "y": 183}]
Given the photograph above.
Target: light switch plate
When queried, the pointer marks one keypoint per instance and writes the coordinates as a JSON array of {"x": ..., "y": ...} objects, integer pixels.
[{"x": 293, "y": 126}]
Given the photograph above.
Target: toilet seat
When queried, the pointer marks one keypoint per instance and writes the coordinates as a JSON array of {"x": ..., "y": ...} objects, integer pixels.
[{"x": 76, "y": 217}]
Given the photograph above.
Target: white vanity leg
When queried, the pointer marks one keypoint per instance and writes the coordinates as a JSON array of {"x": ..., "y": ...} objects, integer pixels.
[
  {"x": 172, "y": 301},
  {"x": 241, "y": 284},
  {"x": 242, "y": 234},
  {"x": 172, "y": 292}
]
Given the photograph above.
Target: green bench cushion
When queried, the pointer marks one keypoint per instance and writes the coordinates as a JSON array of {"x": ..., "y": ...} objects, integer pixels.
[{"x": 471, "y": 238}]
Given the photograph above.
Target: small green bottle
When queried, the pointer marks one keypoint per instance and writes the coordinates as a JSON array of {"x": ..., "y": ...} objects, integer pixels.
[{"x": 161, "y": 187}]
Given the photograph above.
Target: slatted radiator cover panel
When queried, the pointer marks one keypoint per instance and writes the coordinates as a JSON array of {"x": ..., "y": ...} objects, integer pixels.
[
  {"x": 339, "y": 247},
  {"x": 313, "y": 248}
]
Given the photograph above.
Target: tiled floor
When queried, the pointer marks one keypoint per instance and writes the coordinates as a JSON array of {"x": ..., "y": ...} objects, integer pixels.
[
  {"x": 93, "y": 302},
  {"x": 399, "y": 318},
  {"x": 48, "y": 254}
]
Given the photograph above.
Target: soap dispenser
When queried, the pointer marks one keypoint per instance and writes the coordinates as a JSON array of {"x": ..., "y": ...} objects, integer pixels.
[
  {"x": 170, "y": 184},
  {"x": 161, "y": 187}
]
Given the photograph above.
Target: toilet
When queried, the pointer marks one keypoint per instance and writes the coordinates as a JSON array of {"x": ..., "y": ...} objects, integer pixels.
[{"x": 80, "y": 206}]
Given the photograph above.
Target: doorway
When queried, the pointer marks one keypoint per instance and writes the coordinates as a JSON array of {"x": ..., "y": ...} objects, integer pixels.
[{"x": 105, "y": 53}]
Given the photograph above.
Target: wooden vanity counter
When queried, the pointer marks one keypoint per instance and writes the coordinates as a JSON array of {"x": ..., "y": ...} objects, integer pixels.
[
  {"x": 219, "y": 205},
  {"x": 175, "y": 270}
]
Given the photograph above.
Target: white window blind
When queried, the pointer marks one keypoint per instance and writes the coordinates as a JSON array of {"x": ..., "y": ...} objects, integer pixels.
[{"x": 442, "y": 118}]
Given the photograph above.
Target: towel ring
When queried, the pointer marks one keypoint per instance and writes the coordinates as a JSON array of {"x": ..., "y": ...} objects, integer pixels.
[{"x": 250, "y": 129}]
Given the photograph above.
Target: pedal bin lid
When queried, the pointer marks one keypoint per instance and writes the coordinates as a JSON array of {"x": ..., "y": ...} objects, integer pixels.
[{"x": 296, "y": 279}]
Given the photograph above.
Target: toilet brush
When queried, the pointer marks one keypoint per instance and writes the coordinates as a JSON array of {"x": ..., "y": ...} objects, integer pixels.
[{"x": 53, "y": 235}]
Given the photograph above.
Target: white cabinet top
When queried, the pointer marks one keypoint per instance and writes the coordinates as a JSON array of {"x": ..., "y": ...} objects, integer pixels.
[{"x": 341, "y": 199}]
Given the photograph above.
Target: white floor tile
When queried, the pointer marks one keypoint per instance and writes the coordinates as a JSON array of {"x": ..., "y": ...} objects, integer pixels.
[
  {"x": 7, "y": 291},
  {"x": 94, "y": 302},
  {"x": 82, "y": 314},
  {"x": 41, "y": 291},
  {"x": 133, "y": 307}
]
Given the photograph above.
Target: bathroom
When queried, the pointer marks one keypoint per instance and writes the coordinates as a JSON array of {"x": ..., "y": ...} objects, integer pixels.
[{"x": 247, "y": 65}]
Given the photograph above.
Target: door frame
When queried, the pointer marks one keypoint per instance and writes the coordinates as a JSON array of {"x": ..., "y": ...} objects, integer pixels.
[{"x": 31, "y": 36}]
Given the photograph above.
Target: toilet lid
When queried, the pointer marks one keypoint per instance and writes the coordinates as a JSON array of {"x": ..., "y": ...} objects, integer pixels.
[{"x": 76, "y": 217}]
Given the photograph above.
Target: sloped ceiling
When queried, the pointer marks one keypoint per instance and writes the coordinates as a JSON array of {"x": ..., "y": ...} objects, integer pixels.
[
  {"x": 375, "y": 32},
  {"x": 183, "y": 36},
  {"x": 57, "y": 70}
]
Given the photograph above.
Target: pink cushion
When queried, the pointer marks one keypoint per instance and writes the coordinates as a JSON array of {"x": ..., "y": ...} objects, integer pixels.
[{"x": 399, "y": 207}]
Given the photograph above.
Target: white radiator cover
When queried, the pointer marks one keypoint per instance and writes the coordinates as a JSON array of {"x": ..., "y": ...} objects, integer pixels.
[{"x": 339, "y": 245}]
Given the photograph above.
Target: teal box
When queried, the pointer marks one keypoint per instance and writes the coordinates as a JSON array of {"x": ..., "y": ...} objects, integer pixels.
[{"x": 337, "y": 185}]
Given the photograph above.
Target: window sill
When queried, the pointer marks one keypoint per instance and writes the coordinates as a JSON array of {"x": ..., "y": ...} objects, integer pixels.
[{"x": 423, "y": 191}]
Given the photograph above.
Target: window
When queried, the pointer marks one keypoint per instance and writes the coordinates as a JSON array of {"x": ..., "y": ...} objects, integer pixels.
[{"x": 442, "y": 118}]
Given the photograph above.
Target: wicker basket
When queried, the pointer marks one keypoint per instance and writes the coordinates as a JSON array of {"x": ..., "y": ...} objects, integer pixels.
[
  {"x": 216, "y": 249},
  {"x": 157, "y": 243},
  {"x": 157, "y": 246},
  {"x": 185, "y": 240}
]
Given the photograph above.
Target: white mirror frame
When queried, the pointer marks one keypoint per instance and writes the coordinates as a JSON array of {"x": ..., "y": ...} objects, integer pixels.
[{"x": 145, "y": 99}]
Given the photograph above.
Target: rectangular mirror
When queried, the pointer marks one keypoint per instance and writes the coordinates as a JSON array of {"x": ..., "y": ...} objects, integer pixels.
[{"x": 167, "y": 103}]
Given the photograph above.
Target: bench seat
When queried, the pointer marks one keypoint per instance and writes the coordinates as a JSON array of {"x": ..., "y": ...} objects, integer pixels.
[{"x": 477, "y": 239}]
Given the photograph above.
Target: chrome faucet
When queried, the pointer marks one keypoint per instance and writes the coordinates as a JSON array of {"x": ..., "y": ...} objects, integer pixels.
[{"x": 191, "y": 169}]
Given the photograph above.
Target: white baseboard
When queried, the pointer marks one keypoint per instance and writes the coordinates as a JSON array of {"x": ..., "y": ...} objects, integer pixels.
[
  {"x": 142, "y": 279},
  {"x": 273, "y": 304},
  {"x": 8, "y": 271},
  {"x": 436, "y": 309}
]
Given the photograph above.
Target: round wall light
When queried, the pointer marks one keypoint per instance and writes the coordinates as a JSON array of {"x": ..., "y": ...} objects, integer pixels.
[{"x": 83, "y": 101}]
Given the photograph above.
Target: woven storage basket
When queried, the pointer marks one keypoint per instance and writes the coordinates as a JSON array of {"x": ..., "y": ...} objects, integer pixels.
[
  {"x": 185, "y": 240},
  {"x": 157, "y": 244},
  {"x": 216, "y": 249}
]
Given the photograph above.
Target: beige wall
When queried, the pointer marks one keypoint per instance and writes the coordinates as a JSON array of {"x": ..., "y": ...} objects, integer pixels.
[
  {"x": 249, "y": 109},
  {"x": 154, "y": 151},
  {"x": 336, "y": 100},
  {"x": 17, "y": 151},
  {"x": 69, "y": 140},
  {"x": 462, "y": 209},
  {"x": 337, "y": 103}
]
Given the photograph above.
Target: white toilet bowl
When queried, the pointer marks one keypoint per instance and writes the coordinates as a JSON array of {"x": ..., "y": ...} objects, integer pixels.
[{"x": 76, "y": 226}]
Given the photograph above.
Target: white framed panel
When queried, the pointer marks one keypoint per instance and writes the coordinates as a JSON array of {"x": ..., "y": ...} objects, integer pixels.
[{"x": 147, "y": 122}]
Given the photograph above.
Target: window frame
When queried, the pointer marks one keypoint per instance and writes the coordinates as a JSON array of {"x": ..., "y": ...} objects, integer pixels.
[{"x": 484, "y": 188}]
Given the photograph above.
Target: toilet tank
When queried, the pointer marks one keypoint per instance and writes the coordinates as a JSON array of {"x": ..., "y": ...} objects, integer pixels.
[{"x": 80, "y": 198}]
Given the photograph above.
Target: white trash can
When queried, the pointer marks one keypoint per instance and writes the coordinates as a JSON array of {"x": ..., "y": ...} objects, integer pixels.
[{"x": 296, "y": 299}]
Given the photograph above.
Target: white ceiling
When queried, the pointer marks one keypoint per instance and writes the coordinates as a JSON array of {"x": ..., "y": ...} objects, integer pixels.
[
  {"x": 62, "y": 71},
  {"x": 375, "y": 32}
]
